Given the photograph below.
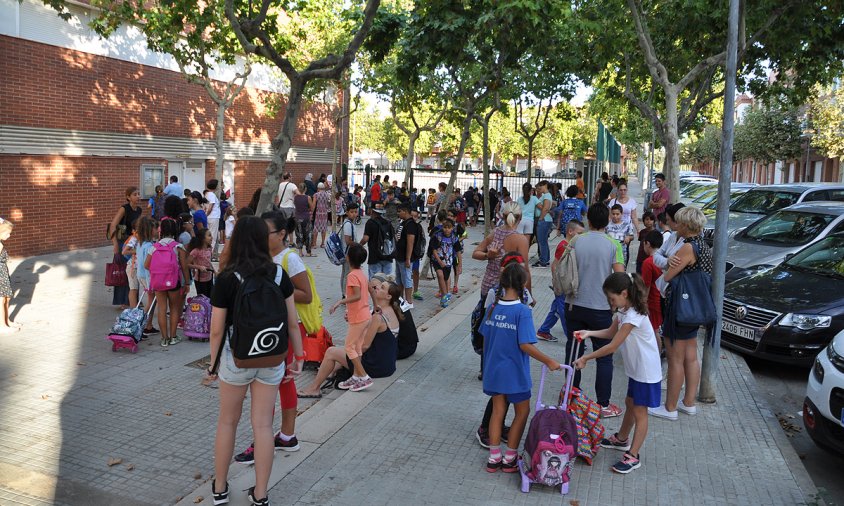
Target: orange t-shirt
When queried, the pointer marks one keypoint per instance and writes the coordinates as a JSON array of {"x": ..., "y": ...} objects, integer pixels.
[
  {"x": 357, "y": 311},
  {"x": 580, "y": 188}
]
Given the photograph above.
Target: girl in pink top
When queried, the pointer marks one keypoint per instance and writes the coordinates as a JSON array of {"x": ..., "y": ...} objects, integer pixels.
[
  {"x": 199, "y": 262},
  {"x": 357, "y": 314}
]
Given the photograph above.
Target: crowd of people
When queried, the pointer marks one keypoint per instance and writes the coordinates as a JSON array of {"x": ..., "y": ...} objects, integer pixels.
[{"x": 634, "y": 312}]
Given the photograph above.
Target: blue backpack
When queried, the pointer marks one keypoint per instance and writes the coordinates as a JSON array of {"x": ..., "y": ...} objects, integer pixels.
[
  {"x": 571, "y": 210},
  {"x": 335, "y": 246}
]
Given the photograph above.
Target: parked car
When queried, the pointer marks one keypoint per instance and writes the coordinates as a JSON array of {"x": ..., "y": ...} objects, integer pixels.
[
  {"x": 565, "y": 174},
  {"x": 694, "y": 191},
  {"x": 711, "y": 207},
  {"x": 767, "y": 242},
  {"x": 537, "y": 172},
  {"x": 790, "y": 312},
  {"x": 823, "y": 408},
  {"x": 764, "y": 200}
]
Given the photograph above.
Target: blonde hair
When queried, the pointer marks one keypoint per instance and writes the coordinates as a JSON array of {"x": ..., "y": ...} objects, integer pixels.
[
  {"x": 692, "y": 218},
  {"x": 6, "y": 225},
  {"x": 512, "y": 213}
]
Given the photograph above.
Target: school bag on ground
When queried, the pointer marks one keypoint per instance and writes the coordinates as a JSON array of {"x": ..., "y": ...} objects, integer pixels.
[
  {"x": 258, "y": 335},
  {"x": 315, "y": 343},
  {"x": 549, "y": 450},
  {"x": 565, "y": 280},
  {"x": 129, "y": 326},
  {"x": 164, "y": 267},
  {"x": 335, "y": 246},
  {"x": 197, "y": 318}
]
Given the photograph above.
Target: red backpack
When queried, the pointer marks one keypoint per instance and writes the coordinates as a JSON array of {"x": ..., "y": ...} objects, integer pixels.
[{"x": 164, "y": 267}]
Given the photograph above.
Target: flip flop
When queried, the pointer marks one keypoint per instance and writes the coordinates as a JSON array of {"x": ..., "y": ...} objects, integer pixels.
[{"x": 308, "y": 396}]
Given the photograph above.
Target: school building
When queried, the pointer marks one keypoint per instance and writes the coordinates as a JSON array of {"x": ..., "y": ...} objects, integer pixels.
[{"x": 82, "y": 119}]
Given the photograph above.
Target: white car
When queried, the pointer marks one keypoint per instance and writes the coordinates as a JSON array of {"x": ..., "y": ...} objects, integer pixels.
[{"x": 823, "y": 409}]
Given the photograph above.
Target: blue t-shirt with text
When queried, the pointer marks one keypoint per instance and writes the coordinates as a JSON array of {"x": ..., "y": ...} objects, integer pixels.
[{"x": 506, "y": 366}]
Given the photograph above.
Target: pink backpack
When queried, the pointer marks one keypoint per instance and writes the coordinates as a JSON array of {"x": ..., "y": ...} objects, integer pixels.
[
  {"x": 164, "y": 267},
  {"x": 198, "y": 318}
]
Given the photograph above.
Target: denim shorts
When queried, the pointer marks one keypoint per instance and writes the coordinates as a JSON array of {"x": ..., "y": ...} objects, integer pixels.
[
  {"x": 404, "y": 275},
  {"x": 382, "y": 267},
  {"x": 644, "y": 394},
  {"x": 238, "y": 377}
]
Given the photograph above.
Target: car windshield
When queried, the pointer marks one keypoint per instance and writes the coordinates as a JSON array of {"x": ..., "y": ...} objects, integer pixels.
[
  {"x": 789, "y": 227},
  {"x": 712, "y": 204},
  {"x": 706, "y": 197},
  {"x": 700, "y": 190},
  {"x": 825, "y": 257},
  {"x": 764, "y": 201}
]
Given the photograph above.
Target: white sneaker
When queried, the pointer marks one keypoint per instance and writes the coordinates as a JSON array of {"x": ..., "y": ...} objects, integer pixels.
[
  {"x": 661, "y": 412},
  {"x": 689, "y": 410},
  {"x": 348, "y": 384}
]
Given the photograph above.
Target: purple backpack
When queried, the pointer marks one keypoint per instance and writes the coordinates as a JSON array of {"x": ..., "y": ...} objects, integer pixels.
[{"x": 198, "y": 317}]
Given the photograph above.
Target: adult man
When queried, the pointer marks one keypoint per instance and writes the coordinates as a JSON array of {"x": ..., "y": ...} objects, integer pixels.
[
  {"x": 212, "y": 209},
  {"x": 376, "y": 231},
  {"x": 284, "y": 197},
  {"x": 598, "y": 256},
  {"x": 469, "y": 198},
  {"x": 348, "y": 238},
  {"x": 310, "y": 187},
  {"x": 174, "y": 188},
  {"x": 406, "y": 235},
  {"x": 661, "y": 197},
  {"x": 544, "y": 222}
]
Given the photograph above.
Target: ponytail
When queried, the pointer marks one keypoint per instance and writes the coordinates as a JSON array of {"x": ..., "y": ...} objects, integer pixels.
[{"x": 637, "y": 293}]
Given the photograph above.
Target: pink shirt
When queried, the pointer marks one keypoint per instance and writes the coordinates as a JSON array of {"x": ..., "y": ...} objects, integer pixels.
[{"x": 357, "y": 311}]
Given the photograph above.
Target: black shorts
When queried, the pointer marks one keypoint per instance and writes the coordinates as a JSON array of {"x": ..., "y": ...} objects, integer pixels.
[{"x": 446, "y": 270}]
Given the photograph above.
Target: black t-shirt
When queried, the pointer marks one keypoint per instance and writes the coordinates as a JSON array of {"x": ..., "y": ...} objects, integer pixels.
[
  {"x": 372, "y": 229},
  {"x": 225, "y": 290},
  {"x": 606, "y": 189},
  {"x": 406, "y": 227}
]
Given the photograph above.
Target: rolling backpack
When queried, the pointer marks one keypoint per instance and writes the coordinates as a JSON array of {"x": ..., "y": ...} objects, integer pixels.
[
  {"x": 587, "y": 416},
  {"x": 335, "y": 247},
  {"x": 258, "y": 336},
  {"x": 164, "y": 267},
  {"x": 197, "y": 318}
]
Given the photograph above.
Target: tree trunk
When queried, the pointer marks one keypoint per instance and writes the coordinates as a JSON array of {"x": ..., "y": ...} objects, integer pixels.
[
  {"x": 530, "y": 159},
  {"x": 332, "y": 205},
  {"x": 219, "y": 139},
  {"x": 488, "y": 218},
  {"x": 411, "y": 156},
  {"x": 671, "y": 142},
  {"x": 281, "y": 145},
  {"x": 640, "y": 165}
]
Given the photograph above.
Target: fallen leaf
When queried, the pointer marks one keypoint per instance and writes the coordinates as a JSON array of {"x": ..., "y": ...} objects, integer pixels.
[
  {"x": 45, "y": 397},
  {"x": 81, "y": 363},
  {"x": 198, "y": 499},
  {"x": 113, "y": 462},
  {"x": 197, "y": 476},
  {"x": 168, "y": 413},
  {"x": 130, "y": 467},
  {"x": 574, "y": 502}
]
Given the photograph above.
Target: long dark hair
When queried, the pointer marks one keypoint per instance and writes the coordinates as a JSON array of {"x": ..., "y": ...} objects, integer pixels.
[
  {"x": 526, "y": 189},
  {"x": 513, "y": 276},
  {"x": 249, "y": 252},
  {"x": 395, "y": 292},
  {"x": 172, "y": 207},
  {"x": 198, "y": 241},
  {"x": 637, "y": 293},
  {"x": 280, "y": 222}
]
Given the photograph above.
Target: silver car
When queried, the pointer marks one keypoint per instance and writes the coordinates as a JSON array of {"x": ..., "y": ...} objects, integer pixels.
[
  {"x": 767, "y": 242},
  {"x": 764, "y": 200}
]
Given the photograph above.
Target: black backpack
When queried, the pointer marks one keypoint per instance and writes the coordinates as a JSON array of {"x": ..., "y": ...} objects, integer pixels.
[
  {"x": 388, "y": 240},
  {"x": 419, "y": 244},
  {"x": 259, "y": 336}
]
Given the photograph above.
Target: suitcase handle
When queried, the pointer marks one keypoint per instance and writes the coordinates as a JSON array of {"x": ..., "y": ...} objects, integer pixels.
[{"x": 569, "y": 370}]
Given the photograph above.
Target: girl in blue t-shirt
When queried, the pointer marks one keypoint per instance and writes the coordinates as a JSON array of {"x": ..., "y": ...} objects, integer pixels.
[{"x": 509, "y": 336}]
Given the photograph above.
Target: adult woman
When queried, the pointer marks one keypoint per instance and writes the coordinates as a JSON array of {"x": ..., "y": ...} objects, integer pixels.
[
  {"x": 379, "y": 344},
  {"x": 322, "y": 203},
  {"x": 303, "y": 210},
  {"x": 627, "y": 203},
  {"x": 602, "y": 189},
  {"x": 681, "y": 346},
  {"x": 200, "y": 219},
  {"x": 117, "y": 232},
  {"x": 249, "y": 255},
  {"x": 527, "y": 202}
]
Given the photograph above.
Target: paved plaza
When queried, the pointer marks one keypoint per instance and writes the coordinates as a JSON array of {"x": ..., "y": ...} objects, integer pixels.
[{"x": 71, "y": 407}]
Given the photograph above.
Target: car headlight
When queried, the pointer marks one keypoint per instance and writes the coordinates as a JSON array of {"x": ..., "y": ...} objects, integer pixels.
[{"x": 806, "y": 321}]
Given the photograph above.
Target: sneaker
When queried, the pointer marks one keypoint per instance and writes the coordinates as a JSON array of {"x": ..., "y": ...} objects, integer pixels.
[
  {"x": 626, "y": 464},
  {"x": 362, "y": 384},
  {"x": 444, "y": 302},
  {"x": 493, "y": 465},
  {"x": 483, "y": 437},
  {"x": 151, "y": 331},
  {"x": 661, "y": 412},
  {"x": 257, "y": 502},
  {"x": 175, "y": 340},
  {"x": 438, "y": 295},
  {"x": 545, "y": 336},
  {"x": 247, "y": 457},
  {"x": 611, "y": 410},
  {"x": 349, "y": 383},
  {"x": 222, "y": 497},
  {"x": 510, "y": 466},
  {"x": 165, "y": 342},
  {"x": 689, "y": 410},
  {"x": 288, "y": 446},
  {"x": 454, "y": 290},
  {"x": 614, "y": 443},
  {"x": 539, "y": 265},
  {"x": 418, "y": 295}
]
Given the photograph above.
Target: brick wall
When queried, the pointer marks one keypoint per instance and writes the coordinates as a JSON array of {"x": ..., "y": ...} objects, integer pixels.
[{"x": 53, "y": 87}]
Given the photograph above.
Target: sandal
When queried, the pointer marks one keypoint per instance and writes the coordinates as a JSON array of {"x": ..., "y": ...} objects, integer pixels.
[{"x": 327, "y": 384}]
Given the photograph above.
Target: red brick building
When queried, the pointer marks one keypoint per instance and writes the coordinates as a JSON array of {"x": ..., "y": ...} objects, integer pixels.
[{"x": 82, "y": 118}]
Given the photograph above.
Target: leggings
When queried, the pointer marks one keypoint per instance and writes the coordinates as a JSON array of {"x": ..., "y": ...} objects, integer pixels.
[
  {"x": 287, "y": 390},
  {"x": 303, "y": 234}
]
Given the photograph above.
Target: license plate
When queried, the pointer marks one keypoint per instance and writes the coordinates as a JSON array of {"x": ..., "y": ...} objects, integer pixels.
[{"x": 745, "y": 332}]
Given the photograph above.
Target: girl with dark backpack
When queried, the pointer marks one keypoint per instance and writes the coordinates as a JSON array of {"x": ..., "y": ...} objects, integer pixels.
[{"x": 253, "y": 320}]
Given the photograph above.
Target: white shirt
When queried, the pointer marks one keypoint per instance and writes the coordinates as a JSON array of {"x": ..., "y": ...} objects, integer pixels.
[
  {"x": 668, "y": 249},
  {"x": 215, "y": 202},
  {"x": 286, "y": 192},
  {"x": 295, "y": 265},
  {"x": 627, "y": 208},
  {"x": 639, "y": 350},
  {"x": 348, "y": 231},
  {"x": 229, "y": 226}
]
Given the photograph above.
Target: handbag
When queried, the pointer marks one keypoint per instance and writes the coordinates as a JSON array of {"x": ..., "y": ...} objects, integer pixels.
[
  {"x": 116, "y": 272},
  {"x": 691, "y": 292}
]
